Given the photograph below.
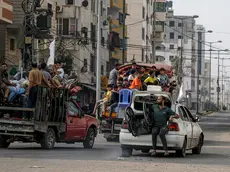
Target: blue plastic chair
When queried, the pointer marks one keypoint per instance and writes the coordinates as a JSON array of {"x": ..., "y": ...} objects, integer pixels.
[{"x": 125, "y": 98}]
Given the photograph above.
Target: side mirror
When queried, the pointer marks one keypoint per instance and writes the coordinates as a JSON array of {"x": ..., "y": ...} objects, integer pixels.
[{"x": 197, "y": 118}]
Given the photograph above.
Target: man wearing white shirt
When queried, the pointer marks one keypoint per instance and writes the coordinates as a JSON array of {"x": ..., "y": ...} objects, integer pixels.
[{"x": 59, "y": 71}]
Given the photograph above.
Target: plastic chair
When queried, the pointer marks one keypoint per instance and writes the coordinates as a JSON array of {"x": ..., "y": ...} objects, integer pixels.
[{"x": 125, "y": 98}]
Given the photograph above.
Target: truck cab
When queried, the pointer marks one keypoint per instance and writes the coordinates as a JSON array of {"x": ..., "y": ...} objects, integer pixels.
[{"x": 57, "y": 118}]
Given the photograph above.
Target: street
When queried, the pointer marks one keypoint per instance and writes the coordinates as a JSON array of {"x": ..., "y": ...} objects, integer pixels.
[{"x": 106, "y": 156}]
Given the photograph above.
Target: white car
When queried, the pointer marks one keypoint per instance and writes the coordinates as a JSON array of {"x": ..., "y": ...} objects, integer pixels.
[{"x": 184, "y": 133}]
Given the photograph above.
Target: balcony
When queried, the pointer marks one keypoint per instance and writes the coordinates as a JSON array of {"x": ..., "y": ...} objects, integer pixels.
[
  {"x": 159, "y": 28},
  {"x": 6, "y": 12},
  {"x": 119, "y": 30}
]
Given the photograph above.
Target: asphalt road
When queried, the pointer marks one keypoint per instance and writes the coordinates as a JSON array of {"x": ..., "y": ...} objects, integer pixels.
[{"x": 216, "y": 150}]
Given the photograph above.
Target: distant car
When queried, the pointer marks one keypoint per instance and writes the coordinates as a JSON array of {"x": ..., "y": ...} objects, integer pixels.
[{"x": 184, "y": 133}]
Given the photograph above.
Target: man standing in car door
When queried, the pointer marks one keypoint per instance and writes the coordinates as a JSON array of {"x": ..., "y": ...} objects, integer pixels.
[{"x": 162, "y": 114}]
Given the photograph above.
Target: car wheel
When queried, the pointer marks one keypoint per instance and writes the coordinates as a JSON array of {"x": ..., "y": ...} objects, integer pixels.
[
  {"x": 48, "y": 139},
  {"x": 145, "y": 150},
  {"x": 197, "y": 150},
  {"x": 126, "y": 152},
  {"x": 3, "y": 142},
  {"x": 182, "y": 152},
  {"x": 89, "y": 140}
]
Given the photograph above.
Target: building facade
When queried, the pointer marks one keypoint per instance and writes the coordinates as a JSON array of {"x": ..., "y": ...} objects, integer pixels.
[
  {"x": 140, "y": 31},
  {"x": 117, "y": 20},
  {"x": 77, "y": 28}
]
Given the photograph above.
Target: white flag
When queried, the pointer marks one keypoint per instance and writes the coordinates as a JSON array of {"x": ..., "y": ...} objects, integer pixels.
[
  {"x": 52, "y": 54},
  {"x": 181, "y": 93}
]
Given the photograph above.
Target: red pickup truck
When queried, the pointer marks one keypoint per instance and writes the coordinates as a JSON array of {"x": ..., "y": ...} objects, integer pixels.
[{"x": 57, "y": 118}]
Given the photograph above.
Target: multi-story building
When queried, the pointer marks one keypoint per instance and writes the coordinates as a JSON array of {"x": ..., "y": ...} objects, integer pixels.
[
  {"x": 140, "y": 31},
  {"x": 116, "y": 35},
  {"x": 77, "y": 22},
  {"x": 13, "y": 34}
]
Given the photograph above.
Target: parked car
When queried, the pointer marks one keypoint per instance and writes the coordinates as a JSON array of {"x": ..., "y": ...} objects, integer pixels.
[{"x": 184, "y": 133}]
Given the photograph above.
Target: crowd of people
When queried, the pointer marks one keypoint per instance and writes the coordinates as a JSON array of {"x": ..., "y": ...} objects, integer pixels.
[{"x": 134, "y": 78}]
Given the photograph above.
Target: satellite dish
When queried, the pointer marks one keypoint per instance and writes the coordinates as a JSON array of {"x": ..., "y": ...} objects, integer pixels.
[{"x": 85, "y": 3}]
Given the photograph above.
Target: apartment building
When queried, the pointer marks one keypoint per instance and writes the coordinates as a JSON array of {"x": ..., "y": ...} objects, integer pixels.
[
  {"x": 116, "y": 16},
  {"x": 77, "y": 20},
  {"x": 140, "y": 28}
]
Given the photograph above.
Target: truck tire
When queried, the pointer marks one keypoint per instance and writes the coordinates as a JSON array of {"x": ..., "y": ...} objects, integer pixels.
[
  {"x": 89, "y": 140},
  {"x": 48, "y": 139},
  {"x": 3, "y": 142}
]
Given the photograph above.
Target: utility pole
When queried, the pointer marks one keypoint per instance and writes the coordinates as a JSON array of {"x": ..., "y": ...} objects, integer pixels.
[
  {"x": 218, "y": 82},
  {"x": 210, "y": 77},
  {"x": 34, "y": 59},
  {"x": 124, "y": 37},
  {"x": 182, "y": 48},
  {"x": 98, "y": 83},
  {"x": 222, "y": 83},
  {"x": 154, "y": 34},
  {"x": 197, "y": 85}
]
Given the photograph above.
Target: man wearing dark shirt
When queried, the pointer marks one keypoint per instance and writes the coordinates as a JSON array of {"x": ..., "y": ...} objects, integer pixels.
[
  {"x": 162, "y": 114},
  {"x": 114, "y": 99}
]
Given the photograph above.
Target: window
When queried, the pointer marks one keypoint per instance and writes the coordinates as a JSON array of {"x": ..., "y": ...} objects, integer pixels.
[
  {"x": 171, "y": 35},
  {"x": 12, "y": 44},
  {"x": 67, "y": 26},
  {"x": 180, "y": 37},
  {"x": 171, "y": 58},
  {"x": 121, "y": 18},
  {"x": 69, "y": 2},
  {"x": 92, "y": 63},
  {"x": 143, "y": 33},
  {"x": 171, "y": 46},
  {"x": 206, "y": 65},
  {"x": 189, "y": 114},
  {"x": 171, "y": 23},
  {"x": 183, "y": 114},
  {"x": 49, "y": 6},
  {"x": 101, "y": 8},
  {"x": 85, "y": 63},
  {"x": 143, "y": 12},
  {"x": 160, "y": 7},
  {"x": 142, "y": 54},
  {"x": 179, "y": 24},
  {"x": 73, "y": 109},
  {"x": 93, "y": 5},
  {"x": 102, "y": 70}
]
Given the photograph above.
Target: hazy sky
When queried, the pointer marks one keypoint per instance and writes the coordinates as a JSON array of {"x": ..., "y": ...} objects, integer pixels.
[{"x": 213, "y": 15}]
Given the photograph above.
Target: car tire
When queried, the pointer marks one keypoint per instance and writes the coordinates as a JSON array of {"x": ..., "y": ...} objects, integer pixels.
[
  {"x": 48, "y": 139},
  {"x": 145, "y": 150},
  {"x": 3, "y": 142},
  {"x": 126, "y": 152},
  {"x": 182, "y": 152},
  {"x": 89, "y": 140},
  {"x": 197, "y": 150}
]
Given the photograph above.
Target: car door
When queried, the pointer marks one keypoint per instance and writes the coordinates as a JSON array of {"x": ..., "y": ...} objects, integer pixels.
[
  {"x": 195, "y": 128},
  {"x": 75, "y": 124},
  {"x": 187, "y": 124}
]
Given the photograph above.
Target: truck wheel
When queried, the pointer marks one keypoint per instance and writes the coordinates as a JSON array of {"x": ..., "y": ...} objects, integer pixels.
[
  {"x": 3, "y": 142},
  {"x": 126, "y": 152},
  {"x": 48, "y": 140},
  {"x": 90, "y": 138}
]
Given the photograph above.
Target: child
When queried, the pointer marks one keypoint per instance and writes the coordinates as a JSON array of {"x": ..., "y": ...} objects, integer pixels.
[{"x": 163, "y": 78}]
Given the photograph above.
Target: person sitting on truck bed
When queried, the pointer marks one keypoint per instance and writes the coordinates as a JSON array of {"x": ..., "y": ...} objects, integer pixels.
[
  {"x": 163, "y": 78},
  {"x": 105, "y": 100},
  {"x": 36, "y": 78},
  {"x": 113, "y": 102},
  {"x": 136, "y": 84},
  {"x": 5, "y": 84},
  {"x": 47, "y": 75},
  {"x": 151, "y": 80}
]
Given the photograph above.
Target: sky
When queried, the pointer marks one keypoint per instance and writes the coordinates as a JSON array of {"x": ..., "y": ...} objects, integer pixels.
[{"x": 213, "y": 15}]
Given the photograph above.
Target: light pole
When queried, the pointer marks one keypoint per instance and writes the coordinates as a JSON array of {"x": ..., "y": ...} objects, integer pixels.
[
  {"x": 210, "y": 71},
  {"x": 218, "y": 80},
  {"x": 182, "y": 41}
]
